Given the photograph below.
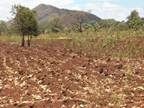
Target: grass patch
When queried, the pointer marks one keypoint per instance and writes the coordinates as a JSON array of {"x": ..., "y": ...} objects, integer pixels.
[
  {"x": 12, "y": 38},
  {"x": 121, "y": 44}
]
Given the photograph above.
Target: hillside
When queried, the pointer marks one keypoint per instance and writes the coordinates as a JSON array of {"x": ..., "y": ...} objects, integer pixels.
[{"x": 46, "y": 13}]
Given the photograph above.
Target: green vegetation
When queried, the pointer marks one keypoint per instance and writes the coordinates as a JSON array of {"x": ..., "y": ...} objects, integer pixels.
[
  {"x": 134, "y": 21},
  {"x": 53, "y": 25},
  {"x": 25, "y": 22},
  {"x": 3, "y": 28},
  {"x": 95, "y": 44},
  {"x": 97, "y": 39}
]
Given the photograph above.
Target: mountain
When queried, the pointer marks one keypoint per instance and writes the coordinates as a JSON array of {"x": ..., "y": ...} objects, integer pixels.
[{"x": 67, "y": 17}]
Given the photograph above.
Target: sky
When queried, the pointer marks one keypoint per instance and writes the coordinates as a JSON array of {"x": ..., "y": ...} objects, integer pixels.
[{"x": 105, "y": 9}]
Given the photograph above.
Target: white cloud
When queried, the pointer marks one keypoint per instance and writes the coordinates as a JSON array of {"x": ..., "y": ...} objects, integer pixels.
[
  {"x": 33, "y": 3},
  {"x": 108, "y": 9},
  {"x": 5, "y": 6}
]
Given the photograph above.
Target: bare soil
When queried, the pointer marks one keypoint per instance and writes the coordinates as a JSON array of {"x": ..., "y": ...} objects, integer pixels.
[{"x": 49, "y": 75}]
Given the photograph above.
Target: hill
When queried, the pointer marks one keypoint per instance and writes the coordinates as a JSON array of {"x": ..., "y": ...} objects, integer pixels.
[{"x": 46, "y": 13}]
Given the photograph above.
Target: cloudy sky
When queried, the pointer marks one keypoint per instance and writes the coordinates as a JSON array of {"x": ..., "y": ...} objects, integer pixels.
[{"x": 117, "y": 9}]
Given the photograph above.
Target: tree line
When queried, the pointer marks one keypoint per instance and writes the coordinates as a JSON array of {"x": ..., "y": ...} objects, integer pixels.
[{"x": 26, "y": 25}]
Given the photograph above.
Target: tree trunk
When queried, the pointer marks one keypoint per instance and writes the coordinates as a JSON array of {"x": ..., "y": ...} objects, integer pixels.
[
  {"x": 23, "y": 41},
  {"x": 80, "y": 29},
  {"x": 28, "y": 41}
]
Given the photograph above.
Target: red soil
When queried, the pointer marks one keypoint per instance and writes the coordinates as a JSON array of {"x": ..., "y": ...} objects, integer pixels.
[{"x": 48, "y": 75}]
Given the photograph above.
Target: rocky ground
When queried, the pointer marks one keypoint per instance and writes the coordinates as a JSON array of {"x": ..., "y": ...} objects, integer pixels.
[{"x": 48, "y": 75}]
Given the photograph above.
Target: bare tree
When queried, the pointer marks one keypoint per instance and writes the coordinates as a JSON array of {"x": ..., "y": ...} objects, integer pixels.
[{"x": 80, "y": 19}]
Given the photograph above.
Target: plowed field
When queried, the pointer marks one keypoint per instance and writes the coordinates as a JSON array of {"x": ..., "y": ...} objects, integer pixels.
[{"x": 49, "y": 75}]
